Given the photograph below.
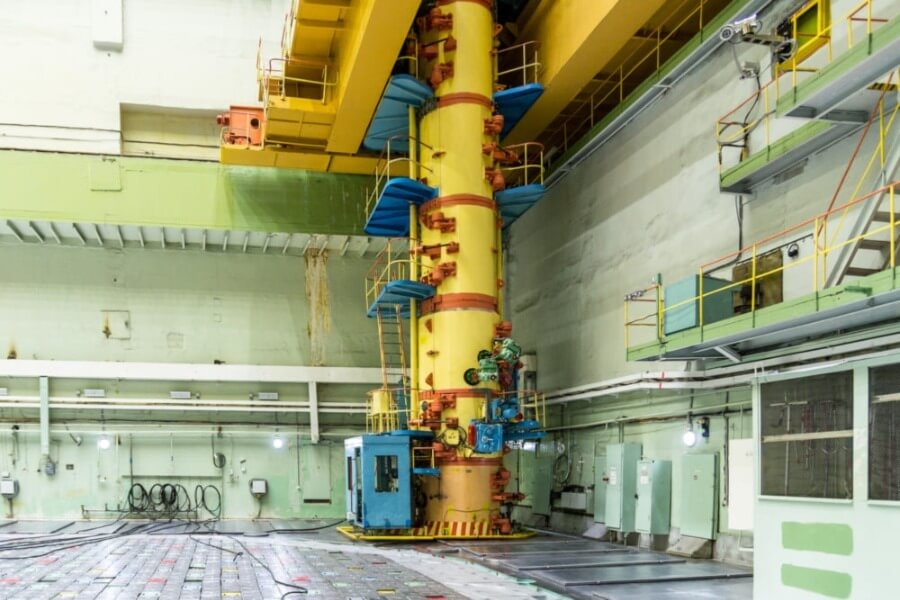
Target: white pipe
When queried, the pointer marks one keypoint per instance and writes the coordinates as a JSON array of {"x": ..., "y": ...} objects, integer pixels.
[
  {"x": 665, "y": 414},
  {"x": 44, "y": 406},
  {"x": 717, "y": 378},
  {"x": 175, "y": 407},
  {"x": 65, "y": 369}
]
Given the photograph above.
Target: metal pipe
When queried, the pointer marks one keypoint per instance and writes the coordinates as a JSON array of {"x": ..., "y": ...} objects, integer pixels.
[
  {"x": 44, "y": 387},
  {"x": 673, "y": 414}
]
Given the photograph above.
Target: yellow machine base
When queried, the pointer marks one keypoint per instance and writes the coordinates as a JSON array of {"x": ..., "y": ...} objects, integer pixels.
[{"x": 423, "y": 534}]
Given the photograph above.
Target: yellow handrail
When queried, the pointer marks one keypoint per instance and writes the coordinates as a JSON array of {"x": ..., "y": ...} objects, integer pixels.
[
  {"x": 579, "y": 123},
  {"x": 386, "y": 163},
  {"x": 813, "y": 228},
  {"x": 793, "y": 67},
  {"x": 529, "y": 67},
  {"x": 529, "y": 168},
  {"x": 393, "y": 263}
]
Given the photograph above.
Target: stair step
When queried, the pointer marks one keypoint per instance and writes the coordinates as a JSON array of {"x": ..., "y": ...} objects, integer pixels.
[
  {"x": 861, "y": 271},
  {"x": 884, "y": 216},
  {"x": 880, "y": 245}
]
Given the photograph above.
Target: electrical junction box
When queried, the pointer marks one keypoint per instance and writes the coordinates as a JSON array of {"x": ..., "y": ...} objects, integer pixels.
[
  {"x": 451, "y": 437},
  {"x": 621, "y": 465},
  {"x": 601, "y": 478},
  {"x": 259, "y": 487},
  {"x": 682, "y": 305},
  {"x": 379, "y": 481},
  {"x": 9, "y": 488},
  {"x": 488, "y": 438},
  {"x": 654, "y": 496}
]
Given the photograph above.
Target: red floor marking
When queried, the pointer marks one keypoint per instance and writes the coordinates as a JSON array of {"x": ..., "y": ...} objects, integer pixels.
[
  {"x": 9, "y": 580},
  {"x": 156, "y": 580},
  {"x": 168, "y": 561},
  {"x": 301, "y": 578}
]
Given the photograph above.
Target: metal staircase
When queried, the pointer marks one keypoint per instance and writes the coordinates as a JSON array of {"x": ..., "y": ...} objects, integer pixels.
[{"x": 870, "y": 252}]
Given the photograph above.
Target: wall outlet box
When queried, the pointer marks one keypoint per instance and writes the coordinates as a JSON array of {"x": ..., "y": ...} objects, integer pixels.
[
  {"x": 259, "y": 487},
  {"x": 9, "y": 488}
]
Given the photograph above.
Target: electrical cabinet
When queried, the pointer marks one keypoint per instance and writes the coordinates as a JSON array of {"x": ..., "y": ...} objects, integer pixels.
[
  {"x": 542, "y": 485},
  {"x": 683, "y": 308},
  {"x": 600, "y": 485},
  {"x": 621, "y": 464},
  {"x": 654, "y": 496},
  {"x": 379, "y": 481},
  {"x": 699, "y": 495}
]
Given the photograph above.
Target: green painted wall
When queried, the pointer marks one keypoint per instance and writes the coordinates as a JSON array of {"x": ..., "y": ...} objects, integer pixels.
[{"x": 144, "y": 191}]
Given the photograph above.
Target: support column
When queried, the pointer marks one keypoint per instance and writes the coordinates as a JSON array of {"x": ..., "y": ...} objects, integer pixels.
[{"x": 313, "y": 412}]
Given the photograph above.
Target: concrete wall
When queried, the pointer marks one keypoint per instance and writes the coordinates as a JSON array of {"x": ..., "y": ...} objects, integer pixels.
[
  {"x": 648, "y": 203},
  {"x": 65, "y": 93},
  {"x": 181, "y": 306}
]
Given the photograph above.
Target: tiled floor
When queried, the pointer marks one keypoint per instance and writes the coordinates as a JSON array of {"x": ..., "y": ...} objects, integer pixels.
[{"x": 204, "y": 565}]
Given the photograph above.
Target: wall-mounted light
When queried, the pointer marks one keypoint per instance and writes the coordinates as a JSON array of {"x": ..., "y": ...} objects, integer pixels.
[
  {"x": 104, "y": 443},
  {"x": 689, "y": 438},
  {"x": 277, "y": 442}
]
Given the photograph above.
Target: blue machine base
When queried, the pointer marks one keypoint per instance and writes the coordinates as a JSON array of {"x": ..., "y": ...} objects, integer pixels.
[
  {"x": 390, "y": 217},
  {"x": 400, "y": 292},
  {"x": 514, "y": 102},
  {"x": 391, "y": 118},
  {"x": 427, "y": 471},
  {"x": 514, "y": 202}
]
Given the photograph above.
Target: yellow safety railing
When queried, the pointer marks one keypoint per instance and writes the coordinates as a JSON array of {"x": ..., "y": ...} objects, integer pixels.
[
  {"x": 531, "y": 403},
  {"x": 382, "y": 411},
  {"x": 860, "y": 22},
  {"x": 632, "y": 69},
  {"x": 878, "y": 155},
  {"x": 275, "y": 81},
  {"x": 650, "y": 297},
  {"x": 733, "y": 129},
  {"x": 423, "y": 457},
  {"x": 390, "y": 158},
  {"x": 518, "y": 65},
  {"x": 393, "y": 263},
  {"x": 527, "y": 168},
  {"x": 814, "y": 228}
]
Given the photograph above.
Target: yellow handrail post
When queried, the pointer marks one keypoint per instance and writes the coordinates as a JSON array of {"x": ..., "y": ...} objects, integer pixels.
[
  {"x": 816, "y": 254},
  {"x": 660, "y": 312},
  {"x": 753, "y": 285},
  {"x": 892, "y": 232},
  {"x": 700, "y": 302},
  {"x": 627, "y": 344}
]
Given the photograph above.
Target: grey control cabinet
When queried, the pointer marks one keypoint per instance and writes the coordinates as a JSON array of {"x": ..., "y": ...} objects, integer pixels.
[
  {"x": 600, "y": 485},
  {"x": 621, "y": 465},
  {"x": 654, "y": 496}
]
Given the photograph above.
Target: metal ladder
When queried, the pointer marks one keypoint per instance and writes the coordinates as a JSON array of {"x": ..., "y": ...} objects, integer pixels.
[{"x": 392, "y": 346}]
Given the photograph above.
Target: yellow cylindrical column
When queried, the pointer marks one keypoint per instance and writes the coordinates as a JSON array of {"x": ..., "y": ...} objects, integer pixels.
[{"x": 463, "y": 223}]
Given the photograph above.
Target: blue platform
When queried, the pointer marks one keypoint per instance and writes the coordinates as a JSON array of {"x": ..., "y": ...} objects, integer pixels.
[
  {"x": 392, "y": 117},
  {"x": 514, "y": 201},
  {"x": 514, "y": 102},
  {"x": 390, "y": 217},
  {"x": 400, "y": 291}
]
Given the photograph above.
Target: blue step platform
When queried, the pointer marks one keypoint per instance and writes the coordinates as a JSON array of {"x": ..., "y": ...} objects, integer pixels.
[
  {"x": 390, "y": 217},
  {"x": 391, "y": 117},
  {"x": 400, "y": 292},
  {"x": 514, "y": 201},
  {"x": 514, "y": 102}
]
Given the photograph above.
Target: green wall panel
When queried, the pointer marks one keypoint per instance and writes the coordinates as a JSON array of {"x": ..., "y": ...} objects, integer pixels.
[{"x": 146, "y": 191}]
